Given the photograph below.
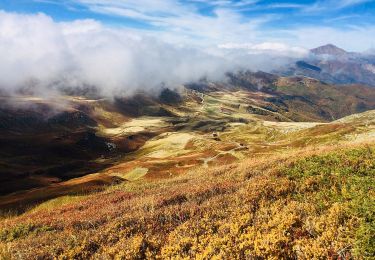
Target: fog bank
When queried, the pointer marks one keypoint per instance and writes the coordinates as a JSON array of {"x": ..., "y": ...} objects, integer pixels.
[{"x": 41, "y": 55}]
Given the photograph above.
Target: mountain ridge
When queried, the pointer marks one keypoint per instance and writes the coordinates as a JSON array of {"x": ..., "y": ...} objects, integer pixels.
[
  {"x": 334, "y": 65},
  {"x": 329, "y": 49}
]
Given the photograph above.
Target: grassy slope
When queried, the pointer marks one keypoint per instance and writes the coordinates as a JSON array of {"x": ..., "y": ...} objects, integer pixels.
[
  {"x": 37, "y": 153},
  {"x": 320, "y": 205},
  {"x": 270, "y": 206},
  {"x": 190, "y": 143},
  {"x": 328, "y": 102}
]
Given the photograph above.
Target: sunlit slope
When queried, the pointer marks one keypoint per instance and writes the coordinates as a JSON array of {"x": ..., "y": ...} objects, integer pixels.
[
  {"x": 315, "y": 99},
  {"x": 218, "y": 173},
  {"x": 303, "y": 98},
  {"x": 304, "y": 203},
  {"x": 206, "y": 129}
]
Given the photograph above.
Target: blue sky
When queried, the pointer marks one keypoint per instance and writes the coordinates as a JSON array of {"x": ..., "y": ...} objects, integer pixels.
[
  {"x": 299, "y": 23},
  {"x": 285, "y": 14}
]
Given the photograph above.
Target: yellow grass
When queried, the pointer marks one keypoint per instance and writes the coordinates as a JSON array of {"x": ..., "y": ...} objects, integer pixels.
[
  {"x": 135, "y": 174},
  {"x": 136, "y": 125},
  {"x": 255, "y": 209},
  {"x": 167, "y": 144}
]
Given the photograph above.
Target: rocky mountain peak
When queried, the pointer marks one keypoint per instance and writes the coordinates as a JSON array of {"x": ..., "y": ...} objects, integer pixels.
[{"x": 329, "y": 49}]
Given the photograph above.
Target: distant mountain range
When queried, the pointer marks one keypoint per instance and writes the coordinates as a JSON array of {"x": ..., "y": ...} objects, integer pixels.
[{"x": 332, "y": 64}]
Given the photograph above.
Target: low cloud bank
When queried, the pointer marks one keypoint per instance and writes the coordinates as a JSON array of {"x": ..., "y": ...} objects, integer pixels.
[{"x": 43, "y": 56}]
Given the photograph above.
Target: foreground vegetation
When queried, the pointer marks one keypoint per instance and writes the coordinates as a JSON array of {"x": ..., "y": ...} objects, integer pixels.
[{"x": 320, "y": 205}]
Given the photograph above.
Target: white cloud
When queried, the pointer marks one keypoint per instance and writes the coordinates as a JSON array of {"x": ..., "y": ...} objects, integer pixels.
[
  {"x": 117, "y": 61},
  {"x": 30, "y": 46},
  {"x": 276, "y": 48},
  {"x": 86, "y": 52},
  {"x": 182, "y": 24},
  {"x": 351, "y": 39},
  {"x": 172, "y": 19},
  {"x": 324, "y": 5},
  {"x": 346, "y": 3},
  {"x": 286, "y": 5}
]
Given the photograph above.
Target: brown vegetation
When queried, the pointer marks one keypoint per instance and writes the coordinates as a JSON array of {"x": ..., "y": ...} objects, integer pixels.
[{"x": 317, "y": 206}]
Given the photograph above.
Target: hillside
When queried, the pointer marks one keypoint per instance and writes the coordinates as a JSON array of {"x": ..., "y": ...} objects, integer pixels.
[
  {"x": 257, "y": 167},
  {"x": 304, "y": 203},
  {"x": 49, "y": 152}
]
